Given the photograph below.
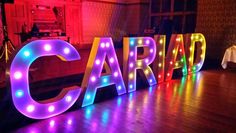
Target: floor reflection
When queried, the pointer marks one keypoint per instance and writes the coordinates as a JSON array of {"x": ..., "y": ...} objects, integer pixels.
[{"x": 168, "y": 107}]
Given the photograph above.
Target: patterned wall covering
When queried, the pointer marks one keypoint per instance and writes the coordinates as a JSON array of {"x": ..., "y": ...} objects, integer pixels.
[
  {"x": 1, "y": 33},
  {"x": 216, "y": 19},
  {"x": 102, "y": 19},
  {"x": 114, "y": 20}
]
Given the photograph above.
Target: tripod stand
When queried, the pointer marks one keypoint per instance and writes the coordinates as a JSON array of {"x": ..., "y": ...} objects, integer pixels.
[{"x": 7, "y": 45}]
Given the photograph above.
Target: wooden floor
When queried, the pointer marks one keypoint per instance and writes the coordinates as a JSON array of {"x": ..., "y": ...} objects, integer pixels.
[{"x": 204, "y": 102}]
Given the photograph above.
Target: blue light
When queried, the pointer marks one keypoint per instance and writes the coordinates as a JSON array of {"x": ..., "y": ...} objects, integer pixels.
[
  {"x": 132, "y": 42},
  {"x": 19, "y": 93},
  {"x": 26, "y": 53},
  {"x": 119, "y": 87},
  {"x": 105, "y": 116},
  {"x": 150, "y": 89},
  {"x": 150, "y": 80},
  {"x": 105, "y": 80},
  {"x": 130, "y": 96},
  {"x": 130, "y": 86},
  {"x": 119, "y": 100},
  {"x": 88, "y": 97}
]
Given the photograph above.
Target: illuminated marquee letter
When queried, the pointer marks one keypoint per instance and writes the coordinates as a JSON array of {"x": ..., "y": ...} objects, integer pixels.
[
  {"x": 198, "y": 41},
  {"x": 102, "y": 48},
  {"x": 159, "y": 63},
  {"x": 175, "y": 56},
  {"x": 20, "y": 83},
  {"x": 131, "y": 61}
]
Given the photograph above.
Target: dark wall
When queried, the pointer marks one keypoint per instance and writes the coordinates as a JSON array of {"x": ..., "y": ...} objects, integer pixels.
[{"x": 216, "y": 19}]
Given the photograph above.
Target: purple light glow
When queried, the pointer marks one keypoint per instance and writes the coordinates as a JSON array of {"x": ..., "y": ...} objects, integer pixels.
[
  {"x": 103, "y": 45},
  {"x": 66, "y": 50},
  {"x": 22, "y": 99},
  {"x": 134, "y": 62},
  {"x": 111, "y": 60},
  {"x": 52, "y": 123},
  {"x": 97, "y": 61},
  {"x": 30, "y": 108},
  {"x": 115, "y": 74},
  {"x": 17, "y": 75},
  {"x": 93, "y": 71},
  {"x": 47, "y": 47},
  {"x": 93, "y": 79},
  {"x": 68, "y": 98},
  {"x": 51, "y": 108}
]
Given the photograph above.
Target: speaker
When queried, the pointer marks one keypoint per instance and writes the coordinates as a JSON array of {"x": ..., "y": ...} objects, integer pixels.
[{"x": 7, "y": 1}]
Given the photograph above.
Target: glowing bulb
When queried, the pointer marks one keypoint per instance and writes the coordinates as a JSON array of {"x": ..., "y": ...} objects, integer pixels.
[
  {"x": 97, "y": 62},
  {"x": 19, "y": 93},
  {"x": 202, "y": 56},
  {"x": 189, "y": 59},
  {"x": 52, "y": 123},
  {"x": 202, "y": 48},
  {"x": 168, "y": 74},
  {"x": 130, "y": 86},
  {"x": 51, "y": 108},
  {"x": 93, "y": 78},
  {"x": 139, "y": 63},
  {"x": 131, "y": 65},
  {"x": 171, "y": 62},
  {"x": 30, "y": 108},
  {"x": 159, "y": 76},
  {"x": 132, "y": 43},
  {"x": 196, "y": 37},
  {"x": 160, "y": 53},
  {"x": 140, "y": 41},
  {"x": 105, "y": 80},
  {"x": 192, "y": 37},
  {"x": 180, "y": 50},
  {"x": 190, "y": 48},
  {"x": 119, "y": 87},
  {"x": 161, "y": 41},
  {"x": 68, "y": 98},
  {"x": 176, "y": 64},
  {"x": 147, "y": 41},
  {"x": 47, "y": 47},
  {"x": 115, "y": 74},
  {"x": 146, "y": 60},
  {"x": 173, "y": 51},
  {"x": 26, "y": 53},
  {"x": 131, "y": 76},
  {"x": 17, "y": 75},
  {"x": 69, "y": 122},
  {"x": 146, "y": 71},
  {"x": 182, "y": 60},
  {"x": 66, "y": 50},
  {"x": 151, "y": 50},
  {"x": 131, "y": 53},
  {"x": 150, "y": 80},
  {"x": 159, "y": 64},
  {"x": 107, "y": 44},
  {"x": 198, "y": 64},
  {"x": 102, "y": 45},
  {"x": 88, "y": 97},
  {"x": 178, "y": 39},
  {"x": 111, "y": 60}
]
